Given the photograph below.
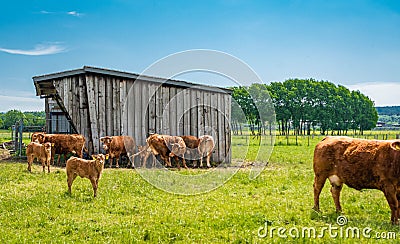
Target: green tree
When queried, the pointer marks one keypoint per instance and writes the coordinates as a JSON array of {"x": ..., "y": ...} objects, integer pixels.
[{"x": 11, "y": 117}]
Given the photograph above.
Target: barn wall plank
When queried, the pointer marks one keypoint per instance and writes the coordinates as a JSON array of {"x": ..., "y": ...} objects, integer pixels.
[
  {"x": 221, "y": 128},
  {"x": 130, "y": 108},
  {"x": 115, "y": 104},
  {"x": 76, "y": 100},
  {"x": 193, "y": 113},
  {"x": 165, "y": 114},
  {"x": 200, "y": 112},
  {"x": 109, "y": 107},
  {"x": 227, "y": 128},
  {"x": 84, "y": 112},
  {"x": 122, "y": 100},
  {"x": 159, "y": 110},
  {"x": 173, "y": 113},
  {"x": 144, "y": 114},
  {"x": 214, "y": 125},
  {"x": 102, "y": 106},
  {"x": 90, "y": 82},
  {"x": 138, "y": 111},
  {"x": 186, "y": 112},
  {"x": 180, "y": 110},
  {"x": 152, "y": 109}
]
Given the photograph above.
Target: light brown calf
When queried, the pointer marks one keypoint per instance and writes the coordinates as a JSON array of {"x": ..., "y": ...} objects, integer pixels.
[
  {"x": 206, "y": 147},
  {"x": 90, "y": 169},
  {"x": 144, "y": 153},
  {"x": 40, "y": 152}
]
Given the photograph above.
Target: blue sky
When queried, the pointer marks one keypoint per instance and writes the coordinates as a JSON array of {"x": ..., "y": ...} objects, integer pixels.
[{"x": 353, "y": 43}]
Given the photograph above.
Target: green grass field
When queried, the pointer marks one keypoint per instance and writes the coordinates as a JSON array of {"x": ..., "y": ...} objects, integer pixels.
[{"x": 35, "y": 207}]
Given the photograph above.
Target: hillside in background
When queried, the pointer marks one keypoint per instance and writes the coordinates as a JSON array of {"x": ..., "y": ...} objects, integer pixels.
[
  {"x": 389, "y": 115},
  {"x": 389, "y": 110}
]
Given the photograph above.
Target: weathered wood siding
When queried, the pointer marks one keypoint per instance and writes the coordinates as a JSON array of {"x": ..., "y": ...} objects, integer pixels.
[{"x": 101, "y": 105}]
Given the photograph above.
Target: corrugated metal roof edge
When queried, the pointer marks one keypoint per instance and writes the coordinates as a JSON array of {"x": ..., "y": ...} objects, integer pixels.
[{"x": 91, "y": 69}]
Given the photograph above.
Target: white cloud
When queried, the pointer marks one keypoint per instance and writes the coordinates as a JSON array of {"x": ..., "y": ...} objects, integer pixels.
[
  {"x": 383, "y": 94},
  {"x": 21, "y": 103},
  {"x": 71, "y": 13},
  {"x": 38, "y": 50},
  {"x": 74, "y": 13}
]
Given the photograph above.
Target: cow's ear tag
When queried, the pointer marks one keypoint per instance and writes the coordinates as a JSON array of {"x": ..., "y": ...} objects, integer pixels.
[
  {"x": 107, "y": 157},
  {"x": 93, "y": 158},
  {"x": 52, "y": 144}
]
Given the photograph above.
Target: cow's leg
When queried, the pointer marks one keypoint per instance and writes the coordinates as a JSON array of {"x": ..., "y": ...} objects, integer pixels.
[
  {"x": 208, "y": 159},
  {"x": 117, "y": 161},
  {"x": 53, "y": 152},
  {"x": 58, "y": 160},
  {"x": 70, "y": 180},
  {"x": 110, "y": 160},
  {"x": 167, "y": 160},
  {"x": 176, "y": 158},
  {"x": 335, "y": 190},
  {"x": 94, "y": 184},
  {"x": 184, "y": 161},
  {"x": 43, "y": 165},
  {"x": 201, "y": 159},
  {"x": 144, "y": 160},
  {"x": 30, "y": 160},
  {"x": 398, "y": 200},
  {"x": 319, "y": 182},
  {"x": 390, "y": 194},
  {"x": 48, "y": 166}
]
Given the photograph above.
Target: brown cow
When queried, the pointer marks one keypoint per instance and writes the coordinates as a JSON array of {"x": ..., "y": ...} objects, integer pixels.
[
  {"x": 61, "y": 143},
  {"x": 115, "y": 146},
  {"x": 360, "y": 164},
  {"x": 41, "y": 153},
  {"x": 206, "y": 147},
  {"x": 144, "y": 153},
  {"x": 198, "y": 148},
  {"x": 167, "y": 146},
  {"x": 90, "y": 169},
  {"x": 192, "y": 148}
]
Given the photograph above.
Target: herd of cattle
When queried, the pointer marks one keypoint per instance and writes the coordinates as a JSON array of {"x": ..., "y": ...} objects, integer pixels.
[
  {"x": 44, "y": 147},
  {"x": 358, "y": 163}
]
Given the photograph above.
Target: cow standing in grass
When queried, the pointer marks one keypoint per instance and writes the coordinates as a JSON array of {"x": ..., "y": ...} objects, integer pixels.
[
  {"x": 168, "y": 146},
  {"x": 90, "y": 169},
  {"x": 206, "y": 147},
  {"x": 198, "y": 148},
  {"x": 116, "y": 146},
  {"x": 61, "y": 144},
  {"x": 41, "y": 153},
  {"x": 360, "y": 164}
]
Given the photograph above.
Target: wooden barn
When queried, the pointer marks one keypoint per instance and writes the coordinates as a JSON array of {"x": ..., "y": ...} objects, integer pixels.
[{"x": 97, "y": 102}]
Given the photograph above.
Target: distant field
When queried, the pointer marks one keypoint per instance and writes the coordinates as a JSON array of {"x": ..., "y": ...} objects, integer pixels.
[{"x": 36, "y": 207}]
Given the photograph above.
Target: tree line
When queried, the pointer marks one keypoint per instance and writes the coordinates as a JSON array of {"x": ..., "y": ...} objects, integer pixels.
[
  {"x": 301, "y": 106},
  {"x": 8, "y": 119}
]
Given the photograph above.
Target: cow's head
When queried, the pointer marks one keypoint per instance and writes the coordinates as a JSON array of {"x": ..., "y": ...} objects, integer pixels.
[
  {"x": 106, "y": 142},
  {"x": 99, "y": 158},
  {"x": 177, "y": 149},
  {"x": 395, "y": 145},
  {"x": 47, "y": 147},
  {"x": 38, "y": 137}
]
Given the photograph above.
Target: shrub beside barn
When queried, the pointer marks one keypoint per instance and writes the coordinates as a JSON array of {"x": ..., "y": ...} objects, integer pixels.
[{"x": 97, "y": 102}]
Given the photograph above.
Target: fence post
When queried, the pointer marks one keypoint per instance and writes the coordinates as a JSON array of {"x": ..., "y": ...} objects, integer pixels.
[
  {"x": 16, "y": 126},
  {"x": 21, "y": 128}
]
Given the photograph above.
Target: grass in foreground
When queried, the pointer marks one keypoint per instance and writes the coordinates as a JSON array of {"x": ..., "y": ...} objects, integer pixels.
[{"x": 36, "y": 207}]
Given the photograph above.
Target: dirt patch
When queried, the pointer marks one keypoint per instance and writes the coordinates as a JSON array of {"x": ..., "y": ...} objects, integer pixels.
[{"x": 4, "y": 154}]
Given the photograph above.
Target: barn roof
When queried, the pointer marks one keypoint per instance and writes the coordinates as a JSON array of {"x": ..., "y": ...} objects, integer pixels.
[{"x": 44, "y": 83}]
